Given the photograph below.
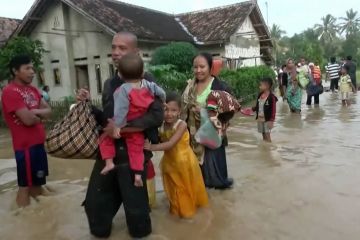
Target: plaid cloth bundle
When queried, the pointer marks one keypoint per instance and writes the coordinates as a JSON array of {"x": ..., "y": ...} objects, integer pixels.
[{"x": 75, "y": 136}]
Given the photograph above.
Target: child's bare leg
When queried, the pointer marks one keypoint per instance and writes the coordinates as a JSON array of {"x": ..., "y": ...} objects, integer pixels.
[
  {"x": 23, "y": 197},
  {"x": 267, "y": 137},
  {"x": 264, "y": 136},
  {"x": 109, "y": 165},
  {"x": 138, "y": 181}
]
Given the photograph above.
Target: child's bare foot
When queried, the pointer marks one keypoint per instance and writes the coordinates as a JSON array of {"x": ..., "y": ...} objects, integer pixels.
[
  {"x": 108, "y": 167},
  {"x": 138, "y": 181}
]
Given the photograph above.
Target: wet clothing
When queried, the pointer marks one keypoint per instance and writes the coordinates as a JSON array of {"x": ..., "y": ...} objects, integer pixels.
[
  {"x": 181, "y": 174},
  {"x": 316, "y": 74},
  {"x": 106, "y": 193},
  {"x": 30, "y": 155},
  {"x": 214, "y": 167},
  {"x": 352, "y": 71},
  {"x": 333, "y": 70},
  {"x": 334, "y": 84},
  {"x": 16, "y": 97},
  {"x": 201, "y": 99},
  {"x": 345, "y": 87},
  {"x": 150, "y": 183},
  {"x": 45, "y": 96},
  {"x": 316, "y": 99},
  {"x": 263, "y": 127},
  {"x": 285, "y": 79},
  {"x": 131, "y": 103},
  {"x": 268, "y": 109},
  {"x": 313, "y": 87},
  {"x": 32, "y": 166},
  {"x": 294, "y": 97}
]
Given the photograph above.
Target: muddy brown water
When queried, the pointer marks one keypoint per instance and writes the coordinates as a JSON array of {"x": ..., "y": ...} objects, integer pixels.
[{"x": 304, "y": 186}]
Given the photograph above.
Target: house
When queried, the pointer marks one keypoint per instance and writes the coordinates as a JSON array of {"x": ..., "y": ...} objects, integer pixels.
[
  {"x": 77, "y": 35},
  {"x": 7, "y": 27}
]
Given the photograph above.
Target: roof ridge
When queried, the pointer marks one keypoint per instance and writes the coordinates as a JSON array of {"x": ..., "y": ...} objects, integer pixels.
[
  {"x": 140, "y": 7},
  {"x": 216, "y": 8},
  {"x": 16, "y": 19}
]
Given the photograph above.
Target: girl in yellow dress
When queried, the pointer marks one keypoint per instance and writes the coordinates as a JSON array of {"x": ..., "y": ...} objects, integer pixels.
[{"x": 181, "y": 173}]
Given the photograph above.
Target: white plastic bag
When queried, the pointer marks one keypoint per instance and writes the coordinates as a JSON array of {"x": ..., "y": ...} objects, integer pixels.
[{"x": 207, "y": 135}]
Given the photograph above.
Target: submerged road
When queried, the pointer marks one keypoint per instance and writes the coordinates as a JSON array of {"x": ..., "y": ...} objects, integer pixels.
[{"x": 304, "y": 186}]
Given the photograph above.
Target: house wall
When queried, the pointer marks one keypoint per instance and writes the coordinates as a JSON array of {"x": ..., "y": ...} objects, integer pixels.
[
  {"x": 72, "y": 40},
  {"x": 74, "y": 43},
  {"x": 244, "y": 44},
  {"x": 56, "y": 51}
]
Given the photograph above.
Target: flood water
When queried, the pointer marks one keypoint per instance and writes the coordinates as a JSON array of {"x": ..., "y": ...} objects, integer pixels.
[{"x": 304, "y": 186}]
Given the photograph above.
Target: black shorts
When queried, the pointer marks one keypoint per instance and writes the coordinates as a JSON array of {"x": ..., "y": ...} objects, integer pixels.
[{"x": 32, "y": 166}]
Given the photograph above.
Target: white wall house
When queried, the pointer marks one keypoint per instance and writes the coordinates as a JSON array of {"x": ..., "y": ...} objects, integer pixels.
[{"x": 77, "y": 35}]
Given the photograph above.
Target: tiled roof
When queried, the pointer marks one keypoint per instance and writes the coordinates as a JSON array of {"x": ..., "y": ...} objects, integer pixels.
[
  {"x": 216, "y": 24},
  {"x": 109, "y": 17},
  {"x": 202, "y": 27},
  {"x": 7, "y": 27},
  {"x": 162, "y": 25}
]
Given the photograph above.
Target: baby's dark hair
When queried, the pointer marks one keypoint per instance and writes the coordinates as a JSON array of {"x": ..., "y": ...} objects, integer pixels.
[
  {"x": 267, "y": 80},
  {"x": 346, "y": 67},
  {"x": 173, "y": 97},
  {"x": 131, "y": 66}
]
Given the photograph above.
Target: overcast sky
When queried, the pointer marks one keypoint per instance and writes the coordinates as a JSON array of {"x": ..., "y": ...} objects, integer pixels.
[{"x": 293, "y": 16}]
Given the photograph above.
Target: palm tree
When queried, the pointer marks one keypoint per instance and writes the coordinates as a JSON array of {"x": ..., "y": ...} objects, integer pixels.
[
  {"x": 327, "y": 29},
  {"x": 276, "y": 33},
  {"x": 351, "y": 23}
]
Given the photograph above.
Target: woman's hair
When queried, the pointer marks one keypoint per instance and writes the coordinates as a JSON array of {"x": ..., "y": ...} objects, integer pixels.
[
  {"x": 268, "y": 81},
  {"x": 346, "y": 67},
  {"x": 208, "y": 57},
  {"x": 173, "y": 97},
  {"x": 288, "y": 60}
]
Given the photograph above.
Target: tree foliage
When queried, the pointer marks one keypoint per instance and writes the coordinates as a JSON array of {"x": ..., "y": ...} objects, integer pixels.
[
  {"x": 327, "y": 30},
  {"x": 169, "y": 78},
  {"x": 351, "y": 23},
  {"x": 179, "y": 54},
  {"x": 245, "y": 81},
  {"x": 16, "y": 46},
  {"x": 276, "y": 33},
  {"x": 324, "y": 40}
]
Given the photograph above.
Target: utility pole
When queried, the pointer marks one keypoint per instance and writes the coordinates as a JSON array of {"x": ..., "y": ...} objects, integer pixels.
[{"x": 267, "y": 13}]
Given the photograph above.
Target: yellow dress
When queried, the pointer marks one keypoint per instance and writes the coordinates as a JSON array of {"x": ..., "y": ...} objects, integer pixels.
[{"x": 182, "y": 178}]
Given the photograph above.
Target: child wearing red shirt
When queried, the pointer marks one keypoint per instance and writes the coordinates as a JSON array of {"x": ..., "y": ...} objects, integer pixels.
[{"x": 131, "y": 100}]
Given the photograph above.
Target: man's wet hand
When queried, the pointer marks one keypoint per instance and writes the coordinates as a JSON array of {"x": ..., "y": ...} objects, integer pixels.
[
  {"x": 110, "y": 128},
  {"x": 147, "y": 145},
  {"x": 82, "y": 95}
]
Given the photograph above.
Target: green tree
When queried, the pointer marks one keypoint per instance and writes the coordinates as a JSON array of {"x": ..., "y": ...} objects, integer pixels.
[
  {"x": 178, "y": 54},
  {"x": 16, "y": 46},
  {"x": 327, "y": 30},
  {"x": 276, "y": 33},
  {"x": 351, "y": 46},
  {"x": 351, "y": 23}
]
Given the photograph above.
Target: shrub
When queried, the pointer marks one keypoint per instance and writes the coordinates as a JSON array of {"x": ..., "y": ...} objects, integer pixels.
[
  {"x": 245, "y": 81},
  {"x": 169, "y": 78},
  {"x": 178, "y": 54},
  {"x": 20, "y": 45}
]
